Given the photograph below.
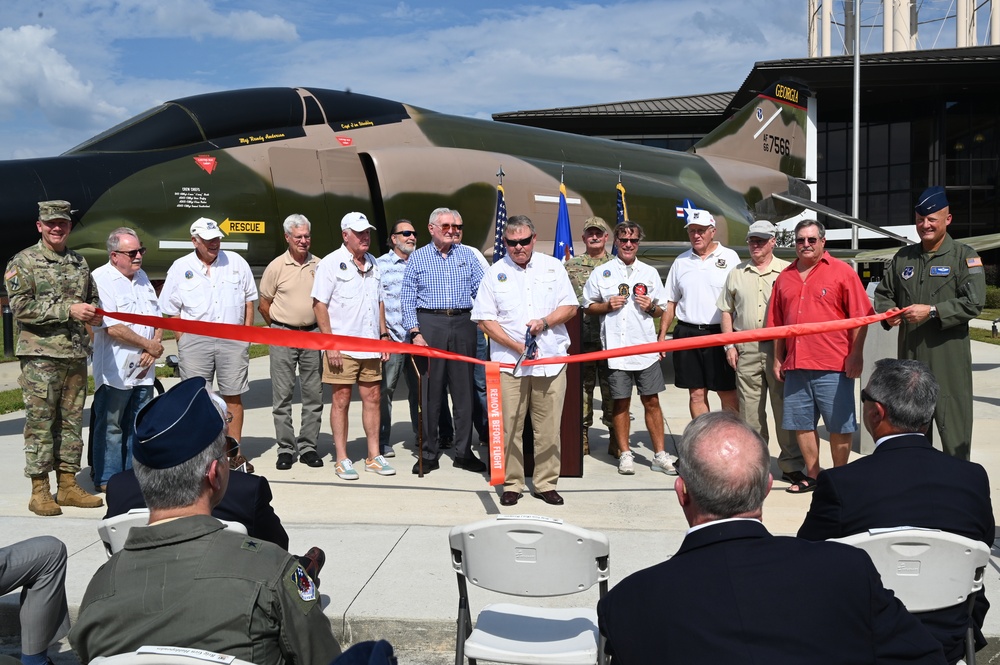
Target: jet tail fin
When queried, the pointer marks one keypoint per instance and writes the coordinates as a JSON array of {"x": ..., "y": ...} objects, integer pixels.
[{"x": 770, "y": 131}]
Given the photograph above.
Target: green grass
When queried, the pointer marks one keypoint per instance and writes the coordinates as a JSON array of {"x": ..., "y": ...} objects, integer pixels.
[{"x": 989, "y": 314}]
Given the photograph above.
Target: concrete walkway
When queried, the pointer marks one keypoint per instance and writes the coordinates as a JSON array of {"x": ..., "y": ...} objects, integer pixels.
[{"x": 388, "y": 573}]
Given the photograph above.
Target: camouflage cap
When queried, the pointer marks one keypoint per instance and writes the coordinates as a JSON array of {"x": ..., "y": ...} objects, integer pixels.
[
  {"x": 48, "y": 210},
  {"x": 596, "y": 223}
]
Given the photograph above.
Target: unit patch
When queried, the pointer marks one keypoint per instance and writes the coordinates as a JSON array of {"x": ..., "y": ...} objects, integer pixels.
[
  {"x": 721, "y": 263},
  {"x": 188, "y": 274},
  {"x": 623, "y": 290},
  {"x": 606, "y": 273},
  {"x": 907, "y": 272},
  {"x": 343, "y": 266},
  {"x": 639, "y": 289},
  {"x": 502, "y": 277},
  {"x": 303, "y": 584}
]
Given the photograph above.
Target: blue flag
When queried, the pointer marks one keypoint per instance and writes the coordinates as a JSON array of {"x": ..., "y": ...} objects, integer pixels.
[
  {"x": 564, "y": 234},
  {"x": 499, "y": 246}
]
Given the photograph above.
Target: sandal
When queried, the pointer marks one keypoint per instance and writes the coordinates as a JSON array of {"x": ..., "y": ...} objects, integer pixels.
[{"x": 802, "y": 486}]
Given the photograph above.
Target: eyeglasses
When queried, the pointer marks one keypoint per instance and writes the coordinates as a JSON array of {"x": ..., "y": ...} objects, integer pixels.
[
  {"x": 628, "y": 241},
  {"x": 865, "y": 397},
  {"x": 451, "y": 227},
  {"x": 131, "y": 253},
  {"x": 699, "y": 232},
  {"x": 405, "y": 234},
  {"x": 810, "y": 240},
  {"x": 232, "y": 447},
  {"x": 523, "y": 242},
  {"x": 754, "y": 240}
]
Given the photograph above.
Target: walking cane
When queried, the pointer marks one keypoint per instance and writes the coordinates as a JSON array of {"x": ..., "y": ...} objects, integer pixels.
[{"x": 420, "y": 418}]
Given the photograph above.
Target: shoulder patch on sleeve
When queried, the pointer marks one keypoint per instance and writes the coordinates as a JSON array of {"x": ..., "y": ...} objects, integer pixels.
[
  {"x": 974, "y": 262},
  {"x": 301, "y": 587}
]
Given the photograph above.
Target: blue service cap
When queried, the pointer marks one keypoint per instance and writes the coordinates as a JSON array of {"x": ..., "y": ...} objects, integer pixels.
[
  {"x": 932, "y": 200},
  {"x": 177, "y": 425}
]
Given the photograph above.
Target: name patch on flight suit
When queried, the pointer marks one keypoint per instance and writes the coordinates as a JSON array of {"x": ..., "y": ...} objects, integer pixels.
[{"x": 940, "y": 271}]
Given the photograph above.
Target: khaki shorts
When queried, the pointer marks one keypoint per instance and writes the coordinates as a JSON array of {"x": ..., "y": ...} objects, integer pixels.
[{"x": 368, "y": 370}]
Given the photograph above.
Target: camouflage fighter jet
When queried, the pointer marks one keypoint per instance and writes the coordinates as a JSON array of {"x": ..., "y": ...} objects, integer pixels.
[{"x": 248, "y": 158}]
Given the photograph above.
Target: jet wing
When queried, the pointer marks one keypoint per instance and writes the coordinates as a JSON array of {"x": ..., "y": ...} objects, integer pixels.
[{"x": 836, "y": 214}]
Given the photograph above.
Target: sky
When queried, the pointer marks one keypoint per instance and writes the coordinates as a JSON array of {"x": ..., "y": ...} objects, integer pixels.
[{"x": 73, "y": 68}]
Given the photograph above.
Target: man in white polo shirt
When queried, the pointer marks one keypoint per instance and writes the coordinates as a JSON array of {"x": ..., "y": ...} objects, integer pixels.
[
  {"x": 216, "y": 286},
  {"x": 528, "y": 296},
  {"x": 124, "y": 355},
  {"x": 624, "y": 293},
  {"x": 694, "y": 283},
  {"x": 348, "y": 286}
]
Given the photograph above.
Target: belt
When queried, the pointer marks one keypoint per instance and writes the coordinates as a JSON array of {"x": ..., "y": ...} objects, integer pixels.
[
  {"x": 285, "y": 325},
  {"x": 445, "y": 312},
  {"x": 701, "y": 326}
]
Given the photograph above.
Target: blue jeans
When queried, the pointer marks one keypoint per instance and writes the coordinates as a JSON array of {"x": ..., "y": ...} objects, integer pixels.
[{"x": 114, "y": 428}]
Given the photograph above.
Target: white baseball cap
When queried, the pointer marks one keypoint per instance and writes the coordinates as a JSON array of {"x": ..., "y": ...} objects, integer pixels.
[
  {"x": 355, "y": 221},
  {"x": 699, "y": 217},
  {"x": 206, "y": 229}
]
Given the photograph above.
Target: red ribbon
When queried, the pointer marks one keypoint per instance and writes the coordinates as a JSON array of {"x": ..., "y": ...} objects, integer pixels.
[
  {"x": 321, "y": 342},
  {"x": 494, "y": 413}
]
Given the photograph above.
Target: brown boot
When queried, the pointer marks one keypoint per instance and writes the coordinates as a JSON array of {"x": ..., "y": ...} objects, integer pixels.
[
  {"x": 586, "y": 440},
  {"x": 41, "y": 498},
  {"x": 71, "y": 494}
]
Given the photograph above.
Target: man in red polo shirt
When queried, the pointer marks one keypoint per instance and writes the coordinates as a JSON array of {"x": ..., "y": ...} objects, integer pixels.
[{"x": 818, "y": 370}]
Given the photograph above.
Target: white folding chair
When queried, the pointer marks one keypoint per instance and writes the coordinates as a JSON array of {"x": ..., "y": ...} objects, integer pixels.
[
  {"x": 529, "y": 556},
  {"x": 114, "y": 530},
  {"x": 162, "y": 655},
  {"x": 928, "y": 569}
]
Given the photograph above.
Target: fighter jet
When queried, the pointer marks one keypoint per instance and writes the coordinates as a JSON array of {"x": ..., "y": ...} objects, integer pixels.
[{"x": 248, "y": 158}]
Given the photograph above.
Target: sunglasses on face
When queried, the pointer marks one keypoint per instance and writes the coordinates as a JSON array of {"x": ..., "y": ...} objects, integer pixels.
[
  {"x": 457, "y": 228},
  {"x": 628, "y": 241},
  {"x": 232, "y": 447},
  {"x": 523, "y": 242},
  {"x": 865, "y": 397},
  {"x": 802, "y": 241},
  {"x": 405, "y": 234},
  {"x": 131, "y": 253}
]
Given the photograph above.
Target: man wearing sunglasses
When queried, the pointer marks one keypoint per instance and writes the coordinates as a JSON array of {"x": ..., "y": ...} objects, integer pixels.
[
  {"x": 818, "y": 370},
  {"x": 525, "y": 298},
  {"x": 625, "y": 292},
  {"x": 53, "y": 296},
  {"x": 439, "y": 286},
  {"x": 124, "y": 355}
]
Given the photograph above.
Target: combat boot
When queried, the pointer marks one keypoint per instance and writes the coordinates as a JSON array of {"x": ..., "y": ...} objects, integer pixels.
[
  {"x": 41, "y": 498},
  {"x": 71, "y": 494},
  {"x": 586, "y": 440}
]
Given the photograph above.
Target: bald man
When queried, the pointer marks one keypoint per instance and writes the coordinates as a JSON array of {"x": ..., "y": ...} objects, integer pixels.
[{"x": 727, "y": 566}]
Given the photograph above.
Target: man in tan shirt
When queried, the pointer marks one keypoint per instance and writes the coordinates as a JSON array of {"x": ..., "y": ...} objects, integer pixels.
[
  {"x": 286, "y": 304},
  {"x": 743, "y": 303}
]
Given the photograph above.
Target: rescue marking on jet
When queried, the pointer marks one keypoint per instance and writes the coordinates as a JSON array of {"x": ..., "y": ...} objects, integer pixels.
[
  {"x": 206, "y": 162},
  {"x": 233, "y": 226}
]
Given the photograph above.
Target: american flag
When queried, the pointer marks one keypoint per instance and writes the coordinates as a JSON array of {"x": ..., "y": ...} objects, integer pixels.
[{"x": 499, "y": 246}]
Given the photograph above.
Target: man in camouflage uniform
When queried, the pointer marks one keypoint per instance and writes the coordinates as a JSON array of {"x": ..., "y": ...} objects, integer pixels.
[
  {"x": 595, "y": 239},
  {"x": 52, "y": 296}
]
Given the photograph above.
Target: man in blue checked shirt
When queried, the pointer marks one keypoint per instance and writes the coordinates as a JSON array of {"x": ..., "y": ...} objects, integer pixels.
[{"x": 439, "y": 285}]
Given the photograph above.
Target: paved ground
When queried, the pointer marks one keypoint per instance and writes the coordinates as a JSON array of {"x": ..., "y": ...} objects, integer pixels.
[{"x": 388, "y": 573}]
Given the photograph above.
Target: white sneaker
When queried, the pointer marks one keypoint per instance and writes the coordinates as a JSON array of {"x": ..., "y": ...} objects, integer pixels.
[
  {"x": 378, "y": 465},
  {"x": 625, "y": 465},
  {"x": 663, "y": 463},
  {"x": 345, "y": 470}
]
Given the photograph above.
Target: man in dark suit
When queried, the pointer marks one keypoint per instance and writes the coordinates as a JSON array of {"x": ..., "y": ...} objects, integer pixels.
[
  {"x": 247, "y": 501},
  {"x": 716, "y": 601},
  {"x": 906, "y": 482}
]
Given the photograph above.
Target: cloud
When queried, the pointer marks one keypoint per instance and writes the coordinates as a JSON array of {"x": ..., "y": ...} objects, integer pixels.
[
  {"x": 37, "y": 76},
  {"x": 198, "y": 19}
]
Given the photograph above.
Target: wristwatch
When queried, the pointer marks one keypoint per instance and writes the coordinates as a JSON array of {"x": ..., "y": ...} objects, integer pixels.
[
  {"x": 728, "y": 346},
  {"x": 413, "y": 335},
  {"x": 934, "y": 312}
]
